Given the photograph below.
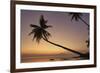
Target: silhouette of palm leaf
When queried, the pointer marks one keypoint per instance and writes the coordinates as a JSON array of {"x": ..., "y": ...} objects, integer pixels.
[
  {"x": 33, "y": 30},
  {"x": 32, "y": 25},
  {"x": 75, "y": 16},
  {"x": 46, "y": 34}
]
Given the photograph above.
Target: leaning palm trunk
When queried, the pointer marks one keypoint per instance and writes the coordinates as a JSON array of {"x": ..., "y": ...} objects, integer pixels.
[
  {"x": 84, "y": 22},
  {"x": 81, "y": 55}
]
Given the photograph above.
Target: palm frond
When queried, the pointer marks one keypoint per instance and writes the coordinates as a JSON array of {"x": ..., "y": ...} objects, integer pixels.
[
  {"x": 37, "y": 34},
  {"x": 33, "y": 31},
  {"x": 35, "y": 26},
  {"x": 75, "y": 16},
  {"x": 46, "y": 34}
]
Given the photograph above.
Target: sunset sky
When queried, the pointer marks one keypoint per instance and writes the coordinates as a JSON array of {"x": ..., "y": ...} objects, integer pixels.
[{"x": 71, "y": 34}]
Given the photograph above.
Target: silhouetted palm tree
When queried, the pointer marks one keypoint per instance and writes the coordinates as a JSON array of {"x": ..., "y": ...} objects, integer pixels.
[
  {"x": 77, "y": 17},
  {"x": 40, "y": 32}
]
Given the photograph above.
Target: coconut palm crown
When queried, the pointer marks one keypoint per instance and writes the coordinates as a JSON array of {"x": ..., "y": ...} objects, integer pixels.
[{"x": 40, "y": 31}]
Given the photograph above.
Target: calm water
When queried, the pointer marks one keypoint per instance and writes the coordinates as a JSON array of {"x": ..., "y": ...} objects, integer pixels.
[{"x": 23, "y": 60}]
